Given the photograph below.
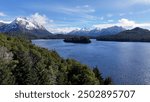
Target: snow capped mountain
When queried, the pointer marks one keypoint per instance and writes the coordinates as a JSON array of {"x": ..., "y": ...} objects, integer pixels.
[
  {"x": 1, "y": 23},
  {"x": 28, "y": 27},
  {"x": 107, "y": 31},
  {"x": 23, "y": 25},
  {"x": 112, "y": 30},
  {"x": 83, "y": 31},
  {"x": 23, "y": 22},
  {"x": 97, "y": 31}
]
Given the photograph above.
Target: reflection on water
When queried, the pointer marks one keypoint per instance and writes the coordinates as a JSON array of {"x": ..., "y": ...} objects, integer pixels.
[{"x": 125, "y": 62}]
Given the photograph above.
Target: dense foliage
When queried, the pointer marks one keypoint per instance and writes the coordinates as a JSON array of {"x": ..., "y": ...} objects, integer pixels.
[
  {"x": 21, "y": 62},
  {"x": 78, "y": 39}
]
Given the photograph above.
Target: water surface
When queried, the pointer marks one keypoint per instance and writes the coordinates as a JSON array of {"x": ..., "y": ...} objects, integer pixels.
[{"x": 125, "y": 62}]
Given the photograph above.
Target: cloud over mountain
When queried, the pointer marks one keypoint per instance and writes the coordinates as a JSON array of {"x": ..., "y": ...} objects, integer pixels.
[
  {"x": 40, "y": 19},
  {"x": 126, "y": 23}
]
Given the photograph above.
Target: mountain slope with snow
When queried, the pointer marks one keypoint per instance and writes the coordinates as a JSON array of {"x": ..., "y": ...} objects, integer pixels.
[
  {"x": 97, "y": 32},
  {"x": 81, "y": 32},
  {"x": 25, "y": 26}
]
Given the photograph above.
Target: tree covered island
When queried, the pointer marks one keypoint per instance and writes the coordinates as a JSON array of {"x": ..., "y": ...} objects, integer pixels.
[{"x": 78, "y": 39}]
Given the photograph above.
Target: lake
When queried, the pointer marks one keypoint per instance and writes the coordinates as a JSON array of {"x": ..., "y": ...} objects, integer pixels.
[{"x": 125, "y": 62}]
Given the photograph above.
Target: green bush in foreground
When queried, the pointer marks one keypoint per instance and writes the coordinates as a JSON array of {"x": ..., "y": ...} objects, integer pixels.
[{"x": 23, "y": 63}]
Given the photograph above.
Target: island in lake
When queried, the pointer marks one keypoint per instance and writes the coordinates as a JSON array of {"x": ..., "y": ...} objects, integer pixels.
[{"x": 79, "y": 39}]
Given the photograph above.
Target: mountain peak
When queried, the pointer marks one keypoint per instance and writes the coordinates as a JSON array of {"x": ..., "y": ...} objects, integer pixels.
[
  {"x": 25, "y": 25},
  {"x": 137, "y": 28},
  {"x": 97, "y": 31},
  {"x": 140, "y": 29},
  {"x": 20, "y": 20}
]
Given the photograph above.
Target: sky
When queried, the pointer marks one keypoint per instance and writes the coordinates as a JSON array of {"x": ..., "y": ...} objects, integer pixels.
[{"x": 67, "y": 15}]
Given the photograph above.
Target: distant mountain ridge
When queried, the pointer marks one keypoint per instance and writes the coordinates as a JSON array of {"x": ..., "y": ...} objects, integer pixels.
[
  {"x": 22, "y": 25},
  {"x": 97, "y": 32},
  {"x": 80, "y": 32},
  {"x": 134, "y": 35}
]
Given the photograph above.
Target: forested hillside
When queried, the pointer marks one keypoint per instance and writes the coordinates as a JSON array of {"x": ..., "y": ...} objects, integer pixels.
[
  {"x": 134, "y": 35},
  {"x": 21, "y": 62}
]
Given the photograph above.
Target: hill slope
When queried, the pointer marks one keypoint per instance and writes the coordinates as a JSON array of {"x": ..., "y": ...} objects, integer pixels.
[
  {"x": 21, "y": 62},
  {"x": 136, "y": 35}
]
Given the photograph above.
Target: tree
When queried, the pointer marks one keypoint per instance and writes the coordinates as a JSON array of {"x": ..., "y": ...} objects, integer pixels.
[
  {"x": 98, "y": 75},
  {"x": 108, "y": 81}
]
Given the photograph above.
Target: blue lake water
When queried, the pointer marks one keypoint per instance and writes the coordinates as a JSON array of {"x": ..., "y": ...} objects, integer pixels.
[{"x": 126, "y": 62}]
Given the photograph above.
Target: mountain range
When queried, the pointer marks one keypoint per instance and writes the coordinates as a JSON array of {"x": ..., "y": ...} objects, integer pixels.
[
  {"x": 135, "y": 35},
  {"x": 24, "y": 27},
  {"x": 97, "y": 32}
]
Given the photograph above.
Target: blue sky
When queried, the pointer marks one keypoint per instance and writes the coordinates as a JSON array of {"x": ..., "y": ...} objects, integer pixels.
[{"x": 66, "y": 15}]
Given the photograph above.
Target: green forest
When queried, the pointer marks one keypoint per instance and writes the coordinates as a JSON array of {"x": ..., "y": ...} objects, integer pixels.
[{"x": 22, "y": 63}]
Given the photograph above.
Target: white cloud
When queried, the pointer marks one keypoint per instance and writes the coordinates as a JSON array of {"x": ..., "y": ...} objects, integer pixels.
[
  {"x": 40, "y": 19},
  {"x": 132, "y": 24},
  {"x": 55, "y": 28},
  {"x": 128, "y": 24},
  {"x": 50, "y": 24},
  {"x": 143, "y": 25},
  {"x": 103, "y": 25},
  {"x": 5, "y": 21},
  {"x": 2, "y": 14}
]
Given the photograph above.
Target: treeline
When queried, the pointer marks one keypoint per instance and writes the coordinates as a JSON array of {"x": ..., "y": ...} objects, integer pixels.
[
  {"x": 126, "y": 38},
  {"x": 22, "y": 63}
]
